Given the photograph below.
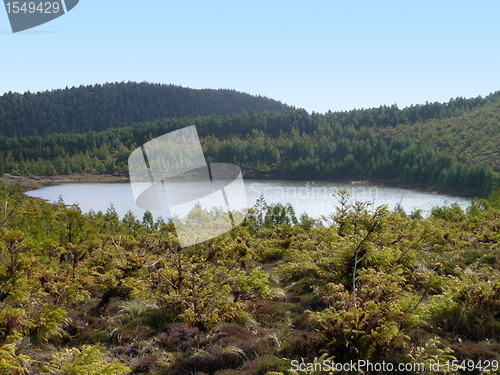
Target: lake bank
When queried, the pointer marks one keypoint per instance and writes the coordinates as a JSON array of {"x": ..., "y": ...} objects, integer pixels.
[{"x": 29, "y": 183}]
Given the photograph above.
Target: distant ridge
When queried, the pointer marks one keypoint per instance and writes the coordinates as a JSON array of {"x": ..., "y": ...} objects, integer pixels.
[{"x": 111, "y": 105}]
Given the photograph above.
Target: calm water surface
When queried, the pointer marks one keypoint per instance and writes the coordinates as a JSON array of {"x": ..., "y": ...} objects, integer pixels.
[{"x": 314, "y": 198}]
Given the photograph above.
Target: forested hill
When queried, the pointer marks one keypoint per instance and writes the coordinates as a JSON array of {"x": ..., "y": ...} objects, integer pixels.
[{"x": 99, "y": 107}]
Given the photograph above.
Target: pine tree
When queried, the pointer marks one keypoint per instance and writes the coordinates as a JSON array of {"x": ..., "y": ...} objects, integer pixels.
[{"x": 67, "y": 169}]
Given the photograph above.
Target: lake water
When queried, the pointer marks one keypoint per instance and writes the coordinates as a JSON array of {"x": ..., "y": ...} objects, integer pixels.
[{"x": 313, "y": 197}]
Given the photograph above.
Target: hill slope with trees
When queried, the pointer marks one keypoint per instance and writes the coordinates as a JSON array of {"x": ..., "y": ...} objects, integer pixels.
[
  {"x": 99, "y": 107},
  {"x": 470, "y": 135}
]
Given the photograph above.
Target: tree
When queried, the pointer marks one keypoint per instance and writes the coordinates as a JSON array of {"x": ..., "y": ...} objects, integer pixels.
[{"x": 67, "y": 169}]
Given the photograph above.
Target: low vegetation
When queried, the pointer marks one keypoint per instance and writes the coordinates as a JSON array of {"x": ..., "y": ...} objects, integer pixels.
[{"x": 96, "y": 294}]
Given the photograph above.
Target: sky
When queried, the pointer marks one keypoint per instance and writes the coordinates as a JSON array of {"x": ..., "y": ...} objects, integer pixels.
[{"x": 318, "y": 55}]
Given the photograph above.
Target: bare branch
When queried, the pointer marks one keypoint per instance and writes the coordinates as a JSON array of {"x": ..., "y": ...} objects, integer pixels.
[{"x": 116, "y": 245}]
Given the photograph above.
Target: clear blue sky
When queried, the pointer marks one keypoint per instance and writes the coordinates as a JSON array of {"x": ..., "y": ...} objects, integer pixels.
[{"x": 318, "y": 55}]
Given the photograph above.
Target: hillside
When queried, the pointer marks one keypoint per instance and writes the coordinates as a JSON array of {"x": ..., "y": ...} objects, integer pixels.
[
  {"x": 99, "y": 107},
  {"x": 471, "y": 136}
]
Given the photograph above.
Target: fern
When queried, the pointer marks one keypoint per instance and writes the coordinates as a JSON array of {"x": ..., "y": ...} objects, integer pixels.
[
  {"x": 10, "y": 363},
  {"x": 430, "y": 353},
  {"x": 47, "y": 323},
  {"x": 88, "y": 361}
]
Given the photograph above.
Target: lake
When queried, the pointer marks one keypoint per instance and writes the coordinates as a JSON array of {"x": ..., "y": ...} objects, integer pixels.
[{"x": 313, "y": 197}]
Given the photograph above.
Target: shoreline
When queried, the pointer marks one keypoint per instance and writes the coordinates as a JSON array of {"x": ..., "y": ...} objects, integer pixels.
[{"x": 29, "y": 183}]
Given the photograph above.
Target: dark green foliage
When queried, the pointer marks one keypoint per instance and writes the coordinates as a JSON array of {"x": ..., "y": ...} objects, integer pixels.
[{"x": 95, "y": 108}]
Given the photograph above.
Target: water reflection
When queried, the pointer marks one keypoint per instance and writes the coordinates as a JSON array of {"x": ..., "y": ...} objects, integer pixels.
[{"x": 313, "y": 197}]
